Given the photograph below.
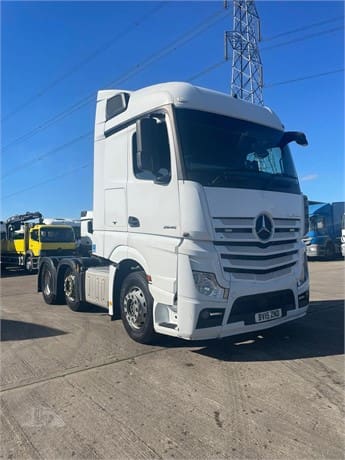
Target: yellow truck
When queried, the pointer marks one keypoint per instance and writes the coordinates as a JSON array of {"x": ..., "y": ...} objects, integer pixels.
[{"x": 24, "y": 242}]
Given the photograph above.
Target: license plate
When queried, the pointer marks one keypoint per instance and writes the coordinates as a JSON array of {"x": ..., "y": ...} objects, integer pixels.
[{"x": 268, "y": 315}]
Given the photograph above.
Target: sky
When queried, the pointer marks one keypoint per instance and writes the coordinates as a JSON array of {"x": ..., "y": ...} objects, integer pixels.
[{"x": 56, "y": 55}]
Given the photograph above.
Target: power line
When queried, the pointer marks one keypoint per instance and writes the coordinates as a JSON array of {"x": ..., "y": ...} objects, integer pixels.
[
  {"x": 307, "y": 77},
  {"x": 304, "y": 37},
  {"x": 46, "y": 154},
  {"x": 58, "y": 117},
  {"x": 84, "y": 61},
  {"x": 182, "y": 40},
  {"x": 302, "y": 29},
  {"x": 60, "y": 176},
  {"x": 206, "y": 70}
]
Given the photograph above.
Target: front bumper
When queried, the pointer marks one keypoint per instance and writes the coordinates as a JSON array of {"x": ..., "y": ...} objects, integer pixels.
[
  {"x": 238, "y": 328},
  {"x": 238, "y": 315}
]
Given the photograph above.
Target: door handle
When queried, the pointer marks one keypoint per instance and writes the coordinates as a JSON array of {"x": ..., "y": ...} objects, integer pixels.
[{"x": 133, "y": 221}]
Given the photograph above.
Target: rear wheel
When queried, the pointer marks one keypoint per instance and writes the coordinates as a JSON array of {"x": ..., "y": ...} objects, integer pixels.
[
  {"x": 71, "y": 290},
  {"x": 47, "y": 285},
  {"x": 137, "y": 308}
]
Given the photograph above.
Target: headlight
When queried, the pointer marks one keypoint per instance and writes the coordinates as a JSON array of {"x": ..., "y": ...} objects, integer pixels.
[
  {"x": 207, "y": 284},
  {"x": 303, "y": 276}
]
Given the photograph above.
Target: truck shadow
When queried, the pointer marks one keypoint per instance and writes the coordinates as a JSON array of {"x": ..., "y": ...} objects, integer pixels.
[
  {"x": 320, "y": 333},
  {"x": 19, "y": 330}
]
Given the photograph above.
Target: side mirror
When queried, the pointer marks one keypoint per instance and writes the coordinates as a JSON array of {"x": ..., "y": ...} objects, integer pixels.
[
  {"x": 290, "y": 136},
  {"x": 145, "y": 143}
]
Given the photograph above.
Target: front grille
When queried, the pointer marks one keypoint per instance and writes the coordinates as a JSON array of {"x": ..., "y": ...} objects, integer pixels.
[
  {"x": 245, "y": 308},
  {"x": 242, "y": 253}
]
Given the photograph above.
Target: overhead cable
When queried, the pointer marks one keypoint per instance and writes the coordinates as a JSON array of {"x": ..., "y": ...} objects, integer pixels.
[
  {"x": 182, "y": 40},
  {"x": 307, "y": 77},
  {"x": 46, "y": 154},
  {"x": 39, "y": 184},
  {"x": 84, "y": 61},
  {"x": 302, "y": 29}
]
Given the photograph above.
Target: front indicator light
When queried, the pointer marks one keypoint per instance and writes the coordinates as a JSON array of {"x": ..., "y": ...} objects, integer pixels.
[
  {"x": 304, "y": 271},
  {"x": 207, "y": 284}
]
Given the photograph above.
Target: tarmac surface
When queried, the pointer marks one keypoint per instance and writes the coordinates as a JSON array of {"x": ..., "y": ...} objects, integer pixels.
[{"x": 74, "y": 385}]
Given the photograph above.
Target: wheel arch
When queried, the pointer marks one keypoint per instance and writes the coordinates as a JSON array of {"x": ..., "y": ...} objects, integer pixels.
[
  {"x": 79, "y": 265},
  {"x": 124, "y": 268}
]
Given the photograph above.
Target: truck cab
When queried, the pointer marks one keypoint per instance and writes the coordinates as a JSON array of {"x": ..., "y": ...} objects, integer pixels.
[
  {"x": 323, "y": 239},
  {"x": 198, "y": 217},
  {"x": 25, "y": 242}
]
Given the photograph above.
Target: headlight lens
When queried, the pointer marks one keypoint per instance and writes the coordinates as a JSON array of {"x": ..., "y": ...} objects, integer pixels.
[{"x": 207, "y": 284}]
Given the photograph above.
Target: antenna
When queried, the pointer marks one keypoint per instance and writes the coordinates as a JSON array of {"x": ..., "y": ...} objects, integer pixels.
[{"x": 247, "y": 70}]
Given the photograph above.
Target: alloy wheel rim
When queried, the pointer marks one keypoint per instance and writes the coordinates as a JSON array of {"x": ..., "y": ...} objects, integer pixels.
[{"x": 135, "y": 308}]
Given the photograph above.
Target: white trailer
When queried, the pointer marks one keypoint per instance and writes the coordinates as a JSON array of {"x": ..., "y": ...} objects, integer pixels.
[{"x": 198, "y": 217}]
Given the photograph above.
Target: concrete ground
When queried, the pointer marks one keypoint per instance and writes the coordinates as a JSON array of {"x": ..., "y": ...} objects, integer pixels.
[{"x": 75, "y": 386}]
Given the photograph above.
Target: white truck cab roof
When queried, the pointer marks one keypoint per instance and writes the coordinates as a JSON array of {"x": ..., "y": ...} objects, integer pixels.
[{"x": 181, "y": 95}]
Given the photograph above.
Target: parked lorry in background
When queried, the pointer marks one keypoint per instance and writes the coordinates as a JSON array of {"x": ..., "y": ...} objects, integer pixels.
[
  {"x": 86, "y": 232},
  {"x": 343, "y": 235},
  {"x": 26, "y": 238},
  {"x": 74, "y": 223},
  {"x": 323, "y": 239},
  {"x": 198, "y": 217}
]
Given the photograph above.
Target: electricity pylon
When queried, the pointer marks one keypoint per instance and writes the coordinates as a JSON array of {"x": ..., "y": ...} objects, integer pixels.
[{"x": 247, "y": 70}]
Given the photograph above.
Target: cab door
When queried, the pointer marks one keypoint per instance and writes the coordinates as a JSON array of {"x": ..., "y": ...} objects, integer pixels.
[
  {"x": 152, "y": 196},
  {"x": 115, "y": 194}
]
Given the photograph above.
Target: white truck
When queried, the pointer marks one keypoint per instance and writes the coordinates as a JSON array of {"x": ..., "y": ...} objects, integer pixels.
[
  {"x": 86, "y": 232},
  {"x": 198, "y": 217}
]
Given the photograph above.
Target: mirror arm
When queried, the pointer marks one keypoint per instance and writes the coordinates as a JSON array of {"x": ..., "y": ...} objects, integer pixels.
[{"x": 290, "y": 136}]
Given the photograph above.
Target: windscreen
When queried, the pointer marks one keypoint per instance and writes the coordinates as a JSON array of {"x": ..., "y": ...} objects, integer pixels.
[
  {"x": 219, "y": 151},
  {"x": 57, "y": 235},
  {"x": 316, "y": 223}
]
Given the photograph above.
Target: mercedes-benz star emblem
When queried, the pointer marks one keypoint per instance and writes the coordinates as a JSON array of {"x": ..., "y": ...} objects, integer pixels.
[{"x": 264, "y": 227}]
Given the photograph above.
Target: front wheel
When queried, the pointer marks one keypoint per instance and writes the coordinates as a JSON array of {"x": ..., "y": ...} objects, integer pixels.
[{"x": 137, "y": 308}]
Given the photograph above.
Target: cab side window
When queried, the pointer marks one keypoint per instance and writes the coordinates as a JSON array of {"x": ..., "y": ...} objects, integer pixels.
[
  {"x": 151, "y": 156},
  {"x": 34, "y": 235}
]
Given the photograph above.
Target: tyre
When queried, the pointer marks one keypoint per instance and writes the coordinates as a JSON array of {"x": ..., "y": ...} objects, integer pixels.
[
  {"x": 137, "y": 308},
  {"x": 71, "y": 290},
  {"x": 47, "y": 285}
]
